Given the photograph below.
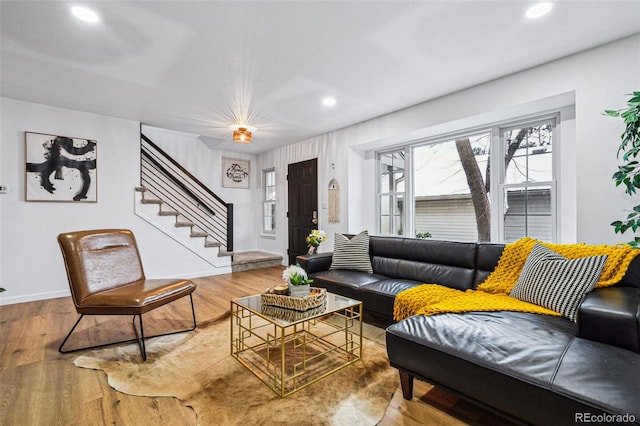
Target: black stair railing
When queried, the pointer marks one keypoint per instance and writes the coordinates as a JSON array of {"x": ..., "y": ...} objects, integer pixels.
[{"x": 179, "y": 190}]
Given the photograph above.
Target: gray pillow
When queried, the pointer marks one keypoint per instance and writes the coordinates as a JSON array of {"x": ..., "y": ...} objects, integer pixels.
[
  {"x": 352, "y": 253},
  {"x": 550, "y": 280}
]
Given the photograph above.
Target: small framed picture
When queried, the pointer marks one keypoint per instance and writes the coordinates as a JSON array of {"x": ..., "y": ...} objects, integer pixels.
[
  {"x": 60, "y": 168},
  {"x": 235, "y": 173}
]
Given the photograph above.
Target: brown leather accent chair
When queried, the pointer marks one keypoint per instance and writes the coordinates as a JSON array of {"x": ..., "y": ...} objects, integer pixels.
[{"x": 106, "y": 278}]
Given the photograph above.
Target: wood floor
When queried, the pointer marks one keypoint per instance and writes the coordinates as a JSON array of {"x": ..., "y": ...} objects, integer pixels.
[{"x": 40, "y": 386}]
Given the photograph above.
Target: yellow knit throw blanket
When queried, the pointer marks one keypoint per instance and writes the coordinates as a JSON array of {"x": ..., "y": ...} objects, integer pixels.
[{"x": 493, "y": 293}]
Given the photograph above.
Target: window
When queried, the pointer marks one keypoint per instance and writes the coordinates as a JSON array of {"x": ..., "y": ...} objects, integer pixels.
[
  {"x": 269, "y": 201},
  {"x": 457, "y": 191},
  {"x": 391, "y": 192},
  {"x": 528, "y": 187},
  {"x": 443, "y": 205}
]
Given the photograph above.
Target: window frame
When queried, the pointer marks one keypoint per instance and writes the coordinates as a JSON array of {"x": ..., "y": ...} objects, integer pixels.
[
  {"x": 395, "y": 195},
  {"x": 553, "y": 120},
  {"x": 497, "y": 172},
  {"x": 268, "y": 201}
]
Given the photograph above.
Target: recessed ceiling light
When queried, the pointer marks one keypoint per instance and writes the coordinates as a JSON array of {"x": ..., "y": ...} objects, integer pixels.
[
  {"x": 84, "y": 14},
  {"x": 329, "y": 101},
  {"x": 539, "y": 9}
]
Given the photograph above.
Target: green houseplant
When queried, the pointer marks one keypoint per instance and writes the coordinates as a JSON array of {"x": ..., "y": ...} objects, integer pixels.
[
  {"x": 299, "y": 282},
  {"x": 628, "y": 173}
]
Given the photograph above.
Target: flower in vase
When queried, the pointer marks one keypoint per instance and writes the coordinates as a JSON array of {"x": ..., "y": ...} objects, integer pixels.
[{"x": 316, "y": 237}]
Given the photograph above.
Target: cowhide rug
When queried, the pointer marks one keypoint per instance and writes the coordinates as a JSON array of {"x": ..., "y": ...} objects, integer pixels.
[{"x": 197, "y": 369}]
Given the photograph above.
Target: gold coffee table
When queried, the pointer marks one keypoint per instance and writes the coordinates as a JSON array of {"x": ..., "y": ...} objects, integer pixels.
[{"x": 289, "y": 350}]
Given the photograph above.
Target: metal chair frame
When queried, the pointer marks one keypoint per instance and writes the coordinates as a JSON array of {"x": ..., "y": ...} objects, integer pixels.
[{"x": 139, "y": 336}]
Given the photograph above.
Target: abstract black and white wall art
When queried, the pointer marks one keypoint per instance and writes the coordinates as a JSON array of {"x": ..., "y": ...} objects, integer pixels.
[
  {"x": 60, "y": 168},
  {"x": 235, "y": 173}
]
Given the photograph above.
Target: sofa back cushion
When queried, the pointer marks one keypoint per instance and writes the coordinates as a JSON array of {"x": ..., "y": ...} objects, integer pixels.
[
  {"x": 488, "y": 256},
  {"x": 448, "y": 263},
  {"x": 632, "y": 277}
]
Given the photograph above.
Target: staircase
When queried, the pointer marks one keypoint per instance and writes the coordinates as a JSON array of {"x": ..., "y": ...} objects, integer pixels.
[
  {"x": 180, "y": 221},
  {"x": 177, "y": 203}
]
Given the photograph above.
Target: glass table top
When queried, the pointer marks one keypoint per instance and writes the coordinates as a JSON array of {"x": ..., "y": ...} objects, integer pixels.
[{"x": 285, "y": 317}]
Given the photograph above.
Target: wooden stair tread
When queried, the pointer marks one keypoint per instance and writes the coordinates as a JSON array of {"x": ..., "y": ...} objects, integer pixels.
[
  {"x": 184, "y": 224},
  {"x": 151, "y": 201},
  {"x": 168, "y": 213},
  {"x": 198, "y": 234}
]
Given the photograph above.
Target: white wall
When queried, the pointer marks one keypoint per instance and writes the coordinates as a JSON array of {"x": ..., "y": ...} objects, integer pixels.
[
  {"x": 31, "y": 266},
  {"x": 598, "y": 79}
]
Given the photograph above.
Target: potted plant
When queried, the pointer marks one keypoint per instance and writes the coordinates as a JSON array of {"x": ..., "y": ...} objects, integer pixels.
[
  {"x": 299, "y": 282},
  {"x": 628, "y": 173}
]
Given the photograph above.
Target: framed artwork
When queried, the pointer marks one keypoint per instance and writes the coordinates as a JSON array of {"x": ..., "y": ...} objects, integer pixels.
[
  {"x": 60, "y": 168},
  {"x": 235, "y": 173}
]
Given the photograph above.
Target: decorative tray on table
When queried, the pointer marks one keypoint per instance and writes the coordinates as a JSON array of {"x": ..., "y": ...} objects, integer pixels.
[
  {"x": 291, "y": 314},
  {"x": 316, "y": 298}
]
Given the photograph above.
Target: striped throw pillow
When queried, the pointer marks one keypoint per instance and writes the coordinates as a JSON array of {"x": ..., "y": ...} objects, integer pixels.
[
  {"x": 549, "y": 279},
  {"x": 352, "y": 253}
]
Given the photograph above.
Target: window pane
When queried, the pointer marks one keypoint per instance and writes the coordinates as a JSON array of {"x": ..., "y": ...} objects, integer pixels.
[
  {"x": 270, "y": 178},
  {"x": 443, "y": 206},
  {"x": 270, "y": 193},
  {"x": 398, "y": 215},
  {"x": 528, "y": 213},
  {"x": 385, "y": 205},
  {"x": 269, "y": 209},
  {"x": 384, "y": 224},
  {"x": 528, "y": 154}
]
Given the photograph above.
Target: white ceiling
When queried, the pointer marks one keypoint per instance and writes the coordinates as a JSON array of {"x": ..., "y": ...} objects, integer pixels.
[{"x": 199, "y": 66}]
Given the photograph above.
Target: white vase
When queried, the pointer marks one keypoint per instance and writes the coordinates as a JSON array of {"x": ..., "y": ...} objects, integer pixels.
[{"x": 299, "y": 290}]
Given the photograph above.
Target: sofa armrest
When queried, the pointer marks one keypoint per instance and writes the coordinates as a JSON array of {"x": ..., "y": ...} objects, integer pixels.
[
  {"x": 612, "y": 316},
  {"x": 313, "y": 263}
]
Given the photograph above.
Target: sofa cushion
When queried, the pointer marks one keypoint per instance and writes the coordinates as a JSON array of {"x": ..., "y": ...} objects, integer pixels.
[
  {"x": 601, "y": 375},
  {"x": 379, "y": 296},
  {"x": 614, "y": 308},
  {"x": 487, "y": 259},
  {"x": 551, "y": 280},
  {"x": 344, "y": 282},
  {"x": 488, "y": 339},
  {"x": 447, "y": 263},
  {"x": 352, "y": 254}
]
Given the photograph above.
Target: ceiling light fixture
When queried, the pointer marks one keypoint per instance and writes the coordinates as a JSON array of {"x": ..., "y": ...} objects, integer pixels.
[
  {"x": 539, "y": 9},
  {"x": 242, "y": 133},
  {"x": 329, "y": 101},
  {"x": 84, "y": 14}
]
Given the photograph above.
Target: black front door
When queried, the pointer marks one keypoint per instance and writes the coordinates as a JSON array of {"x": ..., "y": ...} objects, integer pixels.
[{"x": 302, "y": 181}]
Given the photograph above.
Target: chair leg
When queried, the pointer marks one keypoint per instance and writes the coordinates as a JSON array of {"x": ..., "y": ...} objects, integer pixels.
[
  {"x": 139, "y": 337},
  {"x": 69, "y": 335}
]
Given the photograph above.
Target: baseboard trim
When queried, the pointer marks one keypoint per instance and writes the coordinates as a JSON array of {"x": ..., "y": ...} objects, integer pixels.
[{"x": 12, "y": 300}]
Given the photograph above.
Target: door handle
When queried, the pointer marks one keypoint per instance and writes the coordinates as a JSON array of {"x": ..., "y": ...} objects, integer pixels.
[{"x": 314, "y": 218}]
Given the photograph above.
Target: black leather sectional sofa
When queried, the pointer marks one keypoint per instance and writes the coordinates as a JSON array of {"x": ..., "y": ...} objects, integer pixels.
[{"x": 532, "y": 369}]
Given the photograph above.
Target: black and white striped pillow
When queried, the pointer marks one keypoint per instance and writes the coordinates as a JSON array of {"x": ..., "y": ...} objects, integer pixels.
[
  {"x": 550, "y": 280},
  {"x": 352, "y": 253}
]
